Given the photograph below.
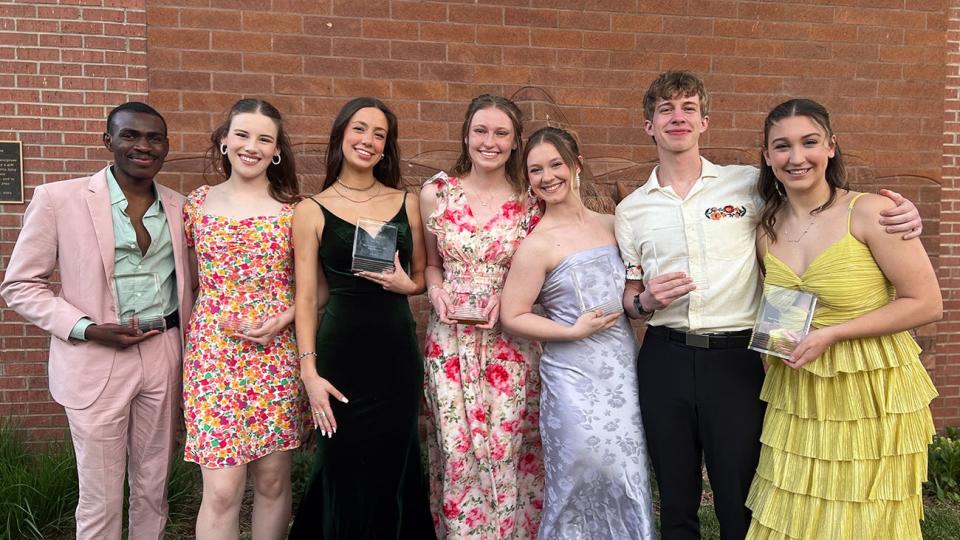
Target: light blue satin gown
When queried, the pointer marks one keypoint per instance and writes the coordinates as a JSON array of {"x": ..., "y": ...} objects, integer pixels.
[{"x": 597, "y": 482}]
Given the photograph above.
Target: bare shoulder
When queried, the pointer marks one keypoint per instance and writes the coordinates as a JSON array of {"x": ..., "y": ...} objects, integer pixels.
[
  {"x": 307, "y": 207},
  {"x": 869, "y": 206}
]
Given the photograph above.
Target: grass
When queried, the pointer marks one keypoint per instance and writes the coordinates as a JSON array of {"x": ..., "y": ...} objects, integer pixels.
[{"x": 38, "y": 495}]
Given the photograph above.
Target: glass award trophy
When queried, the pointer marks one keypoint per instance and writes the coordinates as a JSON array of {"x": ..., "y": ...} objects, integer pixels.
[
  {"x": 374, "y": 245},
  {"x": 784, "y": 318},
  {"x": 144, "y": 308},
  {"x": 595, "y": 282},
  {"x": 470, "y": 296},
  {"x": 251, "y": 290}
]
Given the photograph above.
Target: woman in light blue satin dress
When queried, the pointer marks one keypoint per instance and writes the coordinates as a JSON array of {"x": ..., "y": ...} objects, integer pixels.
[{"x": 597, "y": 483}]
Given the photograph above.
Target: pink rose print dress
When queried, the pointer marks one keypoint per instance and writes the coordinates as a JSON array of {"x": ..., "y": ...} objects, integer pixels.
[
  {"x": 482, "y": 387},
  {"x": 242, "y": 400}
]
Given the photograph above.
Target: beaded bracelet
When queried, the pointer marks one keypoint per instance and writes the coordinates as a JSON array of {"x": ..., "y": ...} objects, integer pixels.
[{"x": 306, "y": 354}]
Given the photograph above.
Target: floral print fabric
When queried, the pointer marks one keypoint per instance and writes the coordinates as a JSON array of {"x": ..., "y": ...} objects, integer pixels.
[
  {"x": 482, "y": 387},
  {"x": 242, "y": 400}
]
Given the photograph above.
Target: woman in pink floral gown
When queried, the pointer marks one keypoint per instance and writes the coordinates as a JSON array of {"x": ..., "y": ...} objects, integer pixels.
[{"x": 482, "y": 387}]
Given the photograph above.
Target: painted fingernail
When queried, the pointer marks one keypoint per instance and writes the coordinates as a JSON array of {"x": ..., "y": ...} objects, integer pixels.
[{"x": 323, "y": 433}]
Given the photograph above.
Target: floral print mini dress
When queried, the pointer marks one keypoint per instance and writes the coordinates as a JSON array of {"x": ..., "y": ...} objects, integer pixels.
[
  {"x": 482, "y": 386},
  {"x": 242, "y": 400}
]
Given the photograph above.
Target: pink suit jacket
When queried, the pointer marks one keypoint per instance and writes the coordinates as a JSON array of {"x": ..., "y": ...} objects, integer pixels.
[{"x": 69, "y": 224}]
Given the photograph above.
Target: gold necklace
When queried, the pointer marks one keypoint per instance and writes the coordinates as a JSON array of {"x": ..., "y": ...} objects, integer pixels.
[
  {"x": 816, "y": 214},
  {"x": 802, "y": 233},
  {"x": 354, "y": 188},
  {"x": 354, "y": 200}
]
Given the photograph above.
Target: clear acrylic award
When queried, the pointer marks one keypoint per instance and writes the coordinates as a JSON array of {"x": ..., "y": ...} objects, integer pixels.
[
  {"x": 144, "y": 306},
  {"x": 670, "y": 256},
  {"x": 243, "y": 318},
  {"x": 595, "y": 282},
  {"x": 374, "y": 245},
  {"x": 784, "y": 318},
  {"x": 470, "y": 296}
]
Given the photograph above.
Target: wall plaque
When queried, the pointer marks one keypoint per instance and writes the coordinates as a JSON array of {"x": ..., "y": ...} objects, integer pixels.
[{"x": 11, "y": 172}]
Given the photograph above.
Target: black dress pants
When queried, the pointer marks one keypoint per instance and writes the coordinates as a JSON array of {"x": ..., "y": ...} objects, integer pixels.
[{"x": 701, "y": 402}]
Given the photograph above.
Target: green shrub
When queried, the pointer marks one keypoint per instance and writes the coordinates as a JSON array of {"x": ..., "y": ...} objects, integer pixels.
[{"x": 943, "y": 480}]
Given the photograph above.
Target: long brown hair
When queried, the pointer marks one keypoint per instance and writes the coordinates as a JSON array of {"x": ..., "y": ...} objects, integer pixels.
[
  {"x": 514, "y": 166},
  {"x": 284, "y": 185},
  {"x": 387, "y": 170},
  {"x": 771, "y": 190}
]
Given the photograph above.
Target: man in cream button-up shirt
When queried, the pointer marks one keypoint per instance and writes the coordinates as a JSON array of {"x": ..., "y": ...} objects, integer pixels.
[{"x": 708, "y": 235}]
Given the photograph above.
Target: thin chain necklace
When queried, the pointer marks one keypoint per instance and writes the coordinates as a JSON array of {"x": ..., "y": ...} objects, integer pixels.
[
  {"x": 816, "y": 214},
  {"x": 476, "y": 195},
  {"x": 354, "y": 188},
  {"x": 335, "y": 188}
]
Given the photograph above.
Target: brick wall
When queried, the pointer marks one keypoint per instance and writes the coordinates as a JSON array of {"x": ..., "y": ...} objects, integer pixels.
[
  {"x": 877, "y": 64},
  {"x": 63, "y": 66},
  {"x": 947, "y": 375}
]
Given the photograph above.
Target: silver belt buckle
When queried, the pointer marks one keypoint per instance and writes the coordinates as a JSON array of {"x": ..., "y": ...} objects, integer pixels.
[{"x": 697, "y": 340}]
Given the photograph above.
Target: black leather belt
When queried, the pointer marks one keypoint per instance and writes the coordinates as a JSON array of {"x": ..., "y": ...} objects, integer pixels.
[
  {"x": 720, "y": 340},
  {"x": 172, "y": 320}
]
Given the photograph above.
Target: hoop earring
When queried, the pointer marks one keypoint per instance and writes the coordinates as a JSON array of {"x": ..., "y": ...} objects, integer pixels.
[
  {"x": 223, "y": 149},
  {"x": 776, "y": 186},
  {"x": 275, "y": 159}
]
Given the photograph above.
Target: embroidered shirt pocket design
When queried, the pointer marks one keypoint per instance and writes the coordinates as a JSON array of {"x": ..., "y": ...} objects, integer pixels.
[{"x": 716, "y": 213}]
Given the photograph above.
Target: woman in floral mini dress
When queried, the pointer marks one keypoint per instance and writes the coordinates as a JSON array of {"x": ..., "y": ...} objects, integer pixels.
[
  {"x": 242, "y": 394},
  {"x": 482, "y": 387}
]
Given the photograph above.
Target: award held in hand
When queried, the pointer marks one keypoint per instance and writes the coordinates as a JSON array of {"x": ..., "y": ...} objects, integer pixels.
[
  {"x": 143, "y": 307},
  {"x": 784, "y": 318},
  {"x": 374, "y": 245},
  {"x": 242, "y": 317},
  {"x": 470, "y": 296},
  {"x": 595, "y": 282}
]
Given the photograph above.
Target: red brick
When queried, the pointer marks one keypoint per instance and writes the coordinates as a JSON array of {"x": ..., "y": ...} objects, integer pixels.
[
  {"x": 332, "y": 67},
  {"x": 414, "y": 50},
  {"x": 390, "y": 29},
  {"x": 448, "y": 33},
  {"x": 271, "y": 22},
  {"x": 212, "y": 19},
  {"x": 496, "y": 35}
]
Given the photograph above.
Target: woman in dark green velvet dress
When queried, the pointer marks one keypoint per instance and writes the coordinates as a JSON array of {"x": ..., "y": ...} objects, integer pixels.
[{"x": 362, "y": 367}]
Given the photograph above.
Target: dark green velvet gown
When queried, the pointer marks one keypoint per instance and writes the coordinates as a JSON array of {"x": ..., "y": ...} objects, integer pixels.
[{"x": 368, "y": 480}]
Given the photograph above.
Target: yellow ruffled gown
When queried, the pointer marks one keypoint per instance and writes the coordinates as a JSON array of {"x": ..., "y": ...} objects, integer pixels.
[{"x": 844, "y": 442}]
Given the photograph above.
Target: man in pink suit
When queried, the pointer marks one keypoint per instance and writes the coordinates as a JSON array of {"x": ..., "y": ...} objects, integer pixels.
[{"x": 117, "y": 238}]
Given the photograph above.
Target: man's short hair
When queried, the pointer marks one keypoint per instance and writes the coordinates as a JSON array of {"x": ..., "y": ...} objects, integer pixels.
[
  {"x": 134, "y": 106},
  {"x": 671, "y": 84}
]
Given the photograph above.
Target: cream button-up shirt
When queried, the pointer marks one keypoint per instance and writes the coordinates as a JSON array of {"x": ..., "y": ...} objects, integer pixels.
[{"x": 709, "y": 235}]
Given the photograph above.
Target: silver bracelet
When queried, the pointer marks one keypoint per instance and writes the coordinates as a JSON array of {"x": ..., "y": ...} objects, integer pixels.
[{"x": 306, "y": 354}]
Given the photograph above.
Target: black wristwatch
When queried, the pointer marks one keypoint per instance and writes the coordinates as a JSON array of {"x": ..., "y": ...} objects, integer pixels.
[{"x": 639, "y": 306}]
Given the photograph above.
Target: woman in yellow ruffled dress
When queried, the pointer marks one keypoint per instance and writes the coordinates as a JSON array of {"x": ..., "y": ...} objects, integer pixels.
[{"x": 848, "y": 421}]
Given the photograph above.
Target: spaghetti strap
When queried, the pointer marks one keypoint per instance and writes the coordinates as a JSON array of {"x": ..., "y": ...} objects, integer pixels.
[
  {"x": 850, "y": 209},
  {"x": 318, "y": 203}
]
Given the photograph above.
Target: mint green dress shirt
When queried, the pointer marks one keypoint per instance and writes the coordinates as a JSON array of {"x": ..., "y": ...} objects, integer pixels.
[{"x": 128, "y": 259}]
